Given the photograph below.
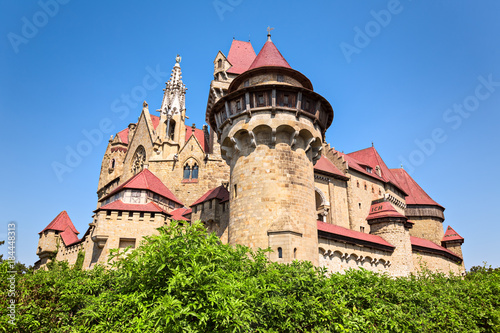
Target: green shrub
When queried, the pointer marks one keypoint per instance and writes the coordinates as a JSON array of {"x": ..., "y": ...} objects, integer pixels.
[{"x": 183, "y": 280}]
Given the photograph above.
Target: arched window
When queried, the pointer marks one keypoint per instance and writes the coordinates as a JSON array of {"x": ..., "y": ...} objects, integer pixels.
[
  {"x": 195, "y": 172},
  {"x": 113, "y": 163},
  {"x": 187, "y": 172},
  {"x": 280, "y": 252},
  {"x": 170, "y": 129},
  {"x": 219, "y": 63},
  {"x": 295, "y": 253}
]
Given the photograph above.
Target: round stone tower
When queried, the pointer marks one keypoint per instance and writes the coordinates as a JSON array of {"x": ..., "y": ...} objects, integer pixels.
[{"x": 271, "y": 127}]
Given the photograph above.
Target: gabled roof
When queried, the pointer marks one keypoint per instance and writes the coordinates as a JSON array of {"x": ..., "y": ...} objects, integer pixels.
[
  {"x": 123, "y": 134},
  {"x": 179, "y": 214},
  {"x": 382, "y": 210},
  {"x": 451, "y": 235},
  {"x": 269, "y": 56},
  {"x": 120, "y": 205},
  {"x": 428, "y": 246},
  {"x": 354, "y": 237},
  {"x": 199, "y": 135},
  {"x": 416, "y": 195},
  {"x": 61, "y": 223},
  {"x": 69, "y": 237},
  {"x": 220, "y": 193},
  {"x": 146, "y": 180},
  {"x": 241, "y": 55},
  {"x": 371, "y": 158},
  {"x": 324, "y": 165}
]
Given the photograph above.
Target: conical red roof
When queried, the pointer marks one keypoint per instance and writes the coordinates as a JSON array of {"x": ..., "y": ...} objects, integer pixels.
[
  {"x": 451, "y": 235},
  {"x": 382, "y": 210},
  {"x": 61, "y": 223},
  {"x": 269, "y": 56}
]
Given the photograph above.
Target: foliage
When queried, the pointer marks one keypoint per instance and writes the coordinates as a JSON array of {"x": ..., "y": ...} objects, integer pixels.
[{"x": 183, "y": 280}]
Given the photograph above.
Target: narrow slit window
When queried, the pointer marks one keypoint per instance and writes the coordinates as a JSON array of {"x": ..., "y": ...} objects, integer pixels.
[{"x": 280, "y": 252}]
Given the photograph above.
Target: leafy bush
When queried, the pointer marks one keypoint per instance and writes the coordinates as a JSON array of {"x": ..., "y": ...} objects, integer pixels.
[{"x": 184, "y": 280}]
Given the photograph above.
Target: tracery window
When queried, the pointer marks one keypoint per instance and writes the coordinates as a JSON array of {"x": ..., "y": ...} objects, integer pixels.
[{"x": 138, "y": 160}]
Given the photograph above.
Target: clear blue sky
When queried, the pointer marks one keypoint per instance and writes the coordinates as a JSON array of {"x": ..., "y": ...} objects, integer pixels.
[{"x": 392, "y": 71}]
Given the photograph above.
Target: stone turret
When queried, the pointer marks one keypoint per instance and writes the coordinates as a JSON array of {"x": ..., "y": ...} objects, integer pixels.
[
  {"x": 49, "y": 237},
  {"x": 453, "y": 241},
  {"x": 271, "y": 126},
  {"x": 393, "y": 227}
]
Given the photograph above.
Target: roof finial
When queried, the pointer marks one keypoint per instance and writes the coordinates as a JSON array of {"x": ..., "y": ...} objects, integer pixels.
[
  {"x": 178, "y": 59},
  {"x": 269, "y": 33},
  {"x": 402, "y": 166},
  {"x": 372, "y": 144}
]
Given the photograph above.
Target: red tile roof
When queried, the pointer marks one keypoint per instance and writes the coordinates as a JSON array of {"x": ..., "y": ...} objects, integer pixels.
[
  {"x": 416, "y": 195},
  {"x": 61, "y": 223},
  {"x": 123, "y": 134},
  {"x": 199, "y": 135},
  {"x": 324, "y": 165},
  {"x": 451, "y": 235},
  {"x": 353, "y": 235},
  {"x": 69, "y": 237},
  {"x": 146, "y": 180},
  {"x": 179, "y": 214},
  {"x": 383, "y": 209},
  {"x": 269, "y": 56},
  {"x": 241, "y": 55},
  {"x": 425, "y": 244},
  {"x": 120, "y": 205},
  {"x": 371, "y": 158},
  {"x": 155, "y": 120},
  {"x": 220, "y": 193}
]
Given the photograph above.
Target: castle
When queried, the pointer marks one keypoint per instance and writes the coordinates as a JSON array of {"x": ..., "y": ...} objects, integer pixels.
[{"x": 261, "y": 176}]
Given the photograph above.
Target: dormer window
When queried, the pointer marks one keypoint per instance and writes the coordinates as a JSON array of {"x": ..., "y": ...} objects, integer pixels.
[{"x": 369, "y": 170}]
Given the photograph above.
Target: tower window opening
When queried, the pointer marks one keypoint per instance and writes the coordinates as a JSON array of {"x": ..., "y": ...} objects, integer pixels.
[
  {"x": 194, "y": 174},
  {"x": 119, "y": 214},
  {"x": 280, "y": 252},
  {"x": 359, "y": 205},
  {"x": 187, "y": 172},
  {"x": 365, "y": 187},
  {"x": 108, "y": 213},
  {"x": 219, "y": 63},
  {"x": 295, "y": 253},
  {"x": 362, "y": 229},
  {"x": 260, "y": 100},
  {"x": 280, "y": 78},
  {"x": 113, "y": 163},
  {"x": 141, "y": 214},
  {"x": 238, "y": 105},
  {"x": 130, "y": 214},
  {"x": 235, "y": 195}
]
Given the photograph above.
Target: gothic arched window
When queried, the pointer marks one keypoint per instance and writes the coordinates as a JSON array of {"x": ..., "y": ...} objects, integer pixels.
[
  {"x": 194, "y": 175},
  {"x": 187, "y": 172},
  {"x": 138, "y": 160}
]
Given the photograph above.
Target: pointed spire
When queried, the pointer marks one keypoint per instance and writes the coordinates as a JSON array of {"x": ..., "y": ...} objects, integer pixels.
[
  {"x": 451, "y": 235},
  {"x": 175, "y": 91},
  {"x": 269, "y": 55}
]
